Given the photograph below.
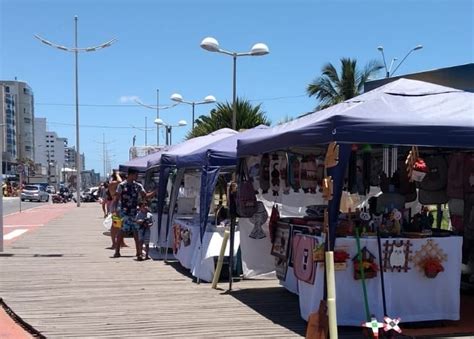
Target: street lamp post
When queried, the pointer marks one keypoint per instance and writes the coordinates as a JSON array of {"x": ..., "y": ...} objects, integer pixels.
[
  {"x": 169, "y": 129},
  {"x": 212, "y": 45},
  {"x": 388, "y": 70},
  {"x": 207, "y": 100},
  {"x": 156, "y": 107},
  {"x": 76, "y": 51}
]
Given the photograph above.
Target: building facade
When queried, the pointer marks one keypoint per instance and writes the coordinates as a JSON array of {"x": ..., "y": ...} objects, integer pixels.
[{"x": 17, "y": 113}]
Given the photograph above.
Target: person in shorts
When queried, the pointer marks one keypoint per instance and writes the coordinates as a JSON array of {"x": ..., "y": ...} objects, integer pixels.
[
  {"x": 145, "y": 220},
  {"x": 127, "y": 198}
]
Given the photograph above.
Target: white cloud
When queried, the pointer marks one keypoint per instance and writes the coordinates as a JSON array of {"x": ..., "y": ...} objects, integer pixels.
[{"x": 125, "y": 99}]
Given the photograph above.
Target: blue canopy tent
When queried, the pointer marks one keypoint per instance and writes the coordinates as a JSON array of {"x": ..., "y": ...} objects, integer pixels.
[
  {"x": 404, "y": 112},
  {"x": 168, "y": 160},
  {"x": 210, "y": 159},
  {"x": 141, "y": 163}
]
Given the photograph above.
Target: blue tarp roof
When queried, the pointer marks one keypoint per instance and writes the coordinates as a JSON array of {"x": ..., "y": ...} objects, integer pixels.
[
  {"x": 220, "y": 153},
  {"x": 404, "y": 112},
  {"x": 141, "y": 163},
  {"x": 170, "y": 158}
]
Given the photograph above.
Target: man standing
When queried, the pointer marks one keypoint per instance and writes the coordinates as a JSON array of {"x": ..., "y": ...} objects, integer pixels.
[{"x": 127, "y": 196}]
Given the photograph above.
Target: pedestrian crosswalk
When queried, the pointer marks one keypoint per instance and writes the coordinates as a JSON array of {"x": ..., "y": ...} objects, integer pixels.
[{"x": 14, "y": 234}]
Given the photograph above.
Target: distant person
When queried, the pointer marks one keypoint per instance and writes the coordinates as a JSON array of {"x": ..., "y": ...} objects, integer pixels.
[
  {"x": 104, "y": 194},
  {"x": 114, "y": 181},
  {"x": 125, "y": 205},
  {"x": 145, "y": 221}
]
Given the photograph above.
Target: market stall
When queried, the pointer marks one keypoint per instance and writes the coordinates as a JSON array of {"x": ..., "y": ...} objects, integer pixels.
[{"x": 369, "y": 138}]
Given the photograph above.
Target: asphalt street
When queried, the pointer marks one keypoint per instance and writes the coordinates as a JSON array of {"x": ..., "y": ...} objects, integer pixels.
[{"x": 12, "y": 205}]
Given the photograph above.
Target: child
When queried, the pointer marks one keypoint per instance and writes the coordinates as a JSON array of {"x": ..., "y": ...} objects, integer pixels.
[{"x": 145, "y": 220}]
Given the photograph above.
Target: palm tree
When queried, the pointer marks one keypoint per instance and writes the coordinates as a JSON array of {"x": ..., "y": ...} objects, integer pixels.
[
  {"x": 332, "y": 87},
  {"x": 248, "y": 116}
]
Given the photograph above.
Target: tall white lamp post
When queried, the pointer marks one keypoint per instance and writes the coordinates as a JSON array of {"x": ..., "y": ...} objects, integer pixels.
[
  {"x": 388, "y": 70},
  {"x": 76, "y": 51},
  {"x": 156, "y": 107},
  {"x": 210, "y": 99},
  {"x": 169, "y": 129},
  {"x": 212, "y": 45}
]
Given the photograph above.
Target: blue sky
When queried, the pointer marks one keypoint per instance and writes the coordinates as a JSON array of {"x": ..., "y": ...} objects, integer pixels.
[{"x": 158, "y": 47}]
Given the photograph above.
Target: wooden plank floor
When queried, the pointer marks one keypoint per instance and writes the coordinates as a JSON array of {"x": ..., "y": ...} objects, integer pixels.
[{"x": 62, "y": 281}]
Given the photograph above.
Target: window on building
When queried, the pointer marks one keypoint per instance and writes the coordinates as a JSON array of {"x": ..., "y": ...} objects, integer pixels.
[
  {"x": 7, "y": 89},
  {"x": 27, "y": 120}
]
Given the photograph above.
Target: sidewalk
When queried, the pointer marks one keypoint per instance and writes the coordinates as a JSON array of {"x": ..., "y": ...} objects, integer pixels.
[{"x": 62, "y": 281}]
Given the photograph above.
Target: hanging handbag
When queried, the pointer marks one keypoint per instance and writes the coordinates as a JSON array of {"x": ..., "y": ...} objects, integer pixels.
[{"x": 272, "y": 223}]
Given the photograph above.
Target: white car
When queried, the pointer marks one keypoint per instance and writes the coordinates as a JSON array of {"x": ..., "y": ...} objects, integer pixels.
[
  {"x": 34, "y": 193},
  {"x": 50, "y": 189}
]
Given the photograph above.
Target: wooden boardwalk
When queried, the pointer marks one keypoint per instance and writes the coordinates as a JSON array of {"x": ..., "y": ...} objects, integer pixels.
[{"x": 62, "y": 281}]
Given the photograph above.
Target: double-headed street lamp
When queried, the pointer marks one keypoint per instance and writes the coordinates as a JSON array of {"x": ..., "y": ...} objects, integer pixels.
[
  {"x": 210, "y": 99},
  {"x": 388, "y": 70},
  {"x": 76, "y": 51},
  {"x": 156, "y": 107},
  {"x": 169, "y": 128},
  {"x": 212, "y": 45}
]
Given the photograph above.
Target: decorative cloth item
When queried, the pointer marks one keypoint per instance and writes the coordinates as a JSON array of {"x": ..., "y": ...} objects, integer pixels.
[
  {"x": 186, "y": 236},
  {"x": 275, "y": 174},
  {"x": 304, "y": 174},
  {"x": 332, "y": 155},
  {"x": 376, "y": 168},
  {"x": 253, "y": 165},
  {"x": 397, "y": 255},
  {"x": 327, "y": 188},
  {"x": 312, "y": 173},
  {"x": 469, "y": 216},
  {"x": 389, "y": 201},
  {"x": 437, "y": 176},
  {"x": 303, "y": 265},
  {"x": 294, "y": 173},
  {"x": 258, "y": 219},
  {"x": 246, "y": 201},
  {"x": 272, "y": 223},
  {"x": 285, "y": 184},
  {"x": 406, "y": 187},
  {"x": 455, "y": 187},
  {"x": 265, "y": 173},
  {"x": 469, "y": 173}
]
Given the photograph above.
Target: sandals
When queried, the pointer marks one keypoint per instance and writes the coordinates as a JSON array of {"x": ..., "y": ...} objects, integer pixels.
[{"x": 116, "y": 255}]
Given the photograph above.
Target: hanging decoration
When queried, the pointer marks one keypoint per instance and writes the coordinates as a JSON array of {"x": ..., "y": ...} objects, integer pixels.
[
  {"x": 374, "y": 325},
  {"x": 275, "y": 174},
  {"x": 416, "y": 166},
  {"x": 391, "y": 324},
  {"x": 258, "y": 219},
  {"x": 332, "y": 155},
  {"x": 265, "y": 173},
  {"x": 284, "y": 174},
  {"x": 397, "y": 255},
  {"x": 294, "y": 173},
  {"x": 429, "y": 258},
  {"x": 368, "y": 265},
  {"x": 327, "y": 188}
]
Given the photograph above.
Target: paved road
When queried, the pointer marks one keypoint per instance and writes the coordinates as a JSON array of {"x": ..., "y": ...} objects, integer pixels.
[{"x": 12, "y": 205}]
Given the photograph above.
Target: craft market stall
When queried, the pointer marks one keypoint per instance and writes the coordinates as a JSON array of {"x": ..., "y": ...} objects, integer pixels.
[{"x": 385, "y": 181}]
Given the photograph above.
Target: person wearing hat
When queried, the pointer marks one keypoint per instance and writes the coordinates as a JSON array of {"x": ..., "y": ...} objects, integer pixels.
[{"x": 127, "y": 198}]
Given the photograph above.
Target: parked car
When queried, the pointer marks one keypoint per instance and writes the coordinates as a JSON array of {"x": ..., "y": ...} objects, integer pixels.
[
  {"x": 34, "y": 193},
  {"x": 50, "y": 189},
  {"x": 90, "y": 194}
]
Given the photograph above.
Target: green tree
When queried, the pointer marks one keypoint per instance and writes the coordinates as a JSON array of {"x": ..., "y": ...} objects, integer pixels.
[
  {"x": 332, "y": 87},
  {"x": 248, "y": 116}
]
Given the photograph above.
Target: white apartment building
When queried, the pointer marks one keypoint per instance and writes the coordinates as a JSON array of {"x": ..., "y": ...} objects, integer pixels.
[{"x": 17, "y": 113}]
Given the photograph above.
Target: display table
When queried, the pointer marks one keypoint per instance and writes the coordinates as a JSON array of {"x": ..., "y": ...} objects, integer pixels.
[
  {"x": 200, "y": 261},
  {"x": 409, "y": 295},
  {"x": 160, "y": 241}
]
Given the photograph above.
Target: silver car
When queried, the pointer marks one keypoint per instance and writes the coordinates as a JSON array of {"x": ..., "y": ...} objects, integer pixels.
[{"x": 34, "y": 193}]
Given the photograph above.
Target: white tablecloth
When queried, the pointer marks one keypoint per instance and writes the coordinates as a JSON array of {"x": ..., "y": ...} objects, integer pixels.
[
  {"x": 201, "y": 262},
  {"x": 161, "y": 240},
  {"x": 411, "y": 295}
]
